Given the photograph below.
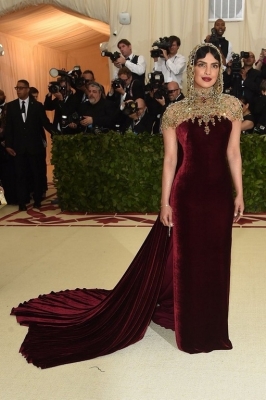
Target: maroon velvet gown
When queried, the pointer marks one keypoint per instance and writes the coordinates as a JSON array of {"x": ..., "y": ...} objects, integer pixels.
[{"x": 180, "y": 282}]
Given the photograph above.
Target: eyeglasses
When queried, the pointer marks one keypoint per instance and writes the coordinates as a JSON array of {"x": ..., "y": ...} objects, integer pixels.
[
  {"x": 172, "y": 91},
  {"x": 20, "y": 87}
]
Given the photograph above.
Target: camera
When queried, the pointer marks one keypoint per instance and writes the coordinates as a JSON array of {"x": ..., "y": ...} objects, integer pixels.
[
  {"x": 130, "y": 107},
  {"x": 73, "y": 76},
  {"x": 259, "y": 128},
  {"x": 156, "y": 81},
  {"x": 214, "y": 39},
  {"x": 117, "y": 83},
  {"x": 161, "y": 44},
  {"x": 113, "y": 56},
  {"x": 75, "y": 118},
  {"x": 53, "y": 87},
  {"x": 236, "y": 60},
  {"x": 161, "y": 92}
]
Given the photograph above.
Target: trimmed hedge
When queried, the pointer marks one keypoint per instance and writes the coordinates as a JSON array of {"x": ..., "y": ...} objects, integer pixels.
[{"x": 122, "y": 173}]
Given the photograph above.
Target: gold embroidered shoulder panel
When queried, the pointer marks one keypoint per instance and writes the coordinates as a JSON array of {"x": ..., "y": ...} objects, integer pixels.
[{"x": 204, "y": 109}]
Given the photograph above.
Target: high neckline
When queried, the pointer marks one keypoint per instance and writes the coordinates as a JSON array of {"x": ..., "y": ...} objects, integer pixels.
[{"x": 202, "y": 93}]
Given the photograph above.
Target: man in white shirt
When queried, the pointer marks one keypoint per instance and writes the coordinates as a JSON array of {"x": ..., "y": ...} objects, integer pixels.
[
  {"x": 171, "y": 63},
  {"x": 136, "y": 64}
]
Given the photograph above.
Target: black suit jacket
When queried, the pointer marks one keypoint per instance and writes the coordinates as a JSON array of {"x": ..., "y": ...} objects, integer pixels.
[{"x": 26, "y": 136}]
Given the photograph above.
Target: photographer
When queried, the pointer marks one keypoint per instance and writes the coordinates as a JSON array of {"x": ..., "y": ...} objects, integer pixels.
[
  {"x": 96, "y": 114},
  {"x": 170, "y": 62},
  {"x": 80, "y": 84},
  {"x": 62, "y": 101},
  {"x": 125, "y": 87},
  {"x": 156, "y": 98},
  {"x": 216, "y": 38},
  {"x": 138, "y": 119},
  {"x": 136, "y": 64},
  {"x": 241, "y": 79}
]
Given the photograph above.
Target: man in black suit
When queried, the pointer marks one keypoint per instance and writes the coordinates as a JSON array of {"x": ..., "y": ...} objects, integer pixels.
[{"x": 25, "y": 120}]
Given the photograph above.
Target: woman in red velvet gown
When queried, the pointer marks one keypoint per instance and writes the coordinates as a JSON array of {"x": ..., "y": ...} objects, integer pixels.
[{"x": 180, "y": 277}]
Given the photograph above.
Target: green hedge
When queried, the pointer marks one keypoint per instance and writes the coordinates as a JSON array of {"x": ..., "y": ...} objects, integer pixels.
[{"x": 122, "y": 173}]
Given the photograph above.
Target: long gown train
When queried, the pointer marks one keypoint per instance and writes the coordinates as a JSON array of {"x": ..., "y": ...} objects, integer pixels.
[{"x": 181, "y": 282}]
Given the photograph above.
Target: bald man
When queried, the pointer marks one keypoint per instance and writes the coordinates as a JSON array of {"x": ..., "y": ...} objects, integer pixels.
[
  {"x": 174, "y": 92},
  {"x": 140, "y": 121}
]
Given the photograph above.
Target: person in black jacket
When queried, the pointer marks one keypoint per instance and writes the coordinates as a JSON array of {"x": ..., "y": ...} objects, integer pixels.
[
  {"x": 64, "y": 104},
  {"x": 96, "y": 113},
  {"x": 140, "y": 120},
  {"x": 246, "y": 82},
  {"x": 25, "y": 120},
  {"x": 260, "y": 110}
]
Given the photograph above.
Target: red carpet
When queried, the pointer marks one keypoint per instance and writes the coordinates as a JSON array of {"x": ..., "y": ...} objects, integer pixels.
[{"x": 51, "y": 215}]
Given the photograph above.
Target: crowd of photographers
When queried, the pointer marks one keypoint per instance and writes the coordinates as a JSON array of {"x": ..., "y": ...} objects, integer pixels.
[
  {"x": 136, "y": 101},
  {"x": 81, "y": 105}
]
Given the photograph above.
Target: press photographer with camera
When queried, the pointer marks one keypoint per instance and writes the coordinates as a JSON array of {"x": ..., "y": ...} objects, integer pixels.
[
  {"x": 241, "y": 79},
  {"x": 125, "y": 87},
  {"x": 62, "y": 101},
  {"x": 97, "y": 114},
  {"x": 168, "y": 60},
  {"x": 136, "y": 64},
  {"x": 216, "y": 38},
  {"x": 138, "y": 119},
  {"x": 156, "y": 98},
  {"x": 80, "y": 84}
]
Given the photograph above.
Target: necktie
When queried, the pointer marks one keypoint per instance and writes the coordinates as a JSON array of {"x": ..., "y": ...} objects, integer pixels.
[{"x": 23, "y": 110}]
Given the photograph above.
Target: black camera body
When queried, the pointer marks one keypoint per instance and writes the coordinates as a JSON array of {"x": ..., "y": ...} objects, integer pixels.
[
  {"x": 214, "y": 39},
  {"x": 53, "y": 87},
  {"x": 236, "y": 60},
  {"x": 113, "y": 56},
  {"x": 161, "y": 92},
  {"x": 261, "y": 129},
  {"x": 75, "y": 118},
  {"x": 130, "y": 107},
  {"x": 156, "y": 79},
  {"x": 161, "y": 44},
  {"x": 117, "y": 83}
]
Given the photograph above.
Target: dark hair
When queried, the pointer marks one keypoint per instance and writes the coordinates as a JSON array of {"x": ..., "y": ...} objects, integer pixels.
[
  {"x": 126, "y": 71},
  {"x": 26, "y": 83},
  {"x": 88, "y": 71},
  {"x": 243, "y": 100},
  {"x": 33, "y": 90},
  {"x": 204, "y": 50},
  {"x": 173, "y": 39},
  {"x": 123, "y": 41}
]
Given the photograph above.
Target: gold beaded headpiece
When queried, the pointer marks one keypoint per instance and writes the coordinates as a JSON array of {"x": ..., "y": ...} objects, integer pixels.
[{"x": 217, "y": 87}]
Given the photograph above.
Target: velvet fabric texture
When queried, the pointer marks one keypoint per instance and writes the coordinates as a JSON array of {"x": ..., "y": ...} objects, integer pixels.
[{"x": 180, "y": 282}]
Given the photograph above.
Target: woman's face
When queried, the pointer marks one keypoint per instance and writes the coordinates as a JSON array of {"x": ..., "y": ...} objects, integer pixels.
[{"x": 206, "y": 72}]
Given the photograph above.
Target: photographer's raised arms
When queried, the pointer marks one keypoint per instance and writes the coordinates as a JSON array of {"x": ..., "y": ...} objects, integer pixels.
[{"x": 168, "y": 60}]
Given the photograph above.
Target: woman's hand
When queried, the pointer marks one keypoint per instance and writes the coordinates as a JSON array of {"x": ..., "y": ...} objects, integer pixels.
[
  {"x": 239, "y": 208},
  {"x": 166, "y": 215}
]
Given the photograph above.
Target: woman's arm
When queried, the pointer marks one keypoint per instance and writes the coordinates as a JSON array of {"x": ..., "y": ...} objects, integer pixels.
[
  {"x": 247, "y": 124},
  {"x": 169, "y": 168},
  {"x": 235, "y": 165}
]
